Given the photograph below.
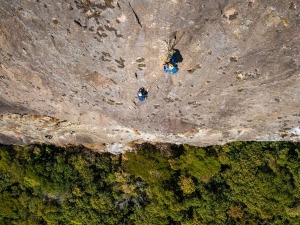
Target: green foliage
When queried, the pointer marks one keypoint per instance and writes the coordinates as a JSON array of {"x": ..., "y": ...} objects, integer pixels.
[
  {"x": 258, "y": 182},
  {"x": 149, "y": 165},
  {"x": 187, "y": 185},
  {"x": 238, "y": 183},
  {"x": 197, "y": 163},
  {"x": 47, "y": 185}
]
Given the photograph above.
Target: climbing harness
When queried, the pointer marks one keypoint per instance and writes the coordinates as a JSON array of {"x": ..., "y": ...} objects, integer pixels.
[{"x": 142, "y": 94}]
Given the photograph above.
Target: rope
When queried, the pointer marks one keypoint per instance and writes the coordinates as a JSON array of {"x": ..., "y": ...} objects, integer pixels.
[{"x": 171, "y": 43}]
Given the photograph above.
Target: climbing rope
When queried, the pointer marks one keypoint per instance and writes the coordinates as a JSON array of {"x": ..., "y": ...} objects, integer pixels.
[{"x": 168, "y": 60}]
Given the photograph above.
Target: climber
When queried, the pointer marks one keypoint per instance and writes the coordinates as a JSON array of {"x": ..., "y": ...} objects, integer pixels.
[
  {"x": 170, "y": 64},
  {"x": 170, "y": 68},
  {"x": 142, "y": 94}
]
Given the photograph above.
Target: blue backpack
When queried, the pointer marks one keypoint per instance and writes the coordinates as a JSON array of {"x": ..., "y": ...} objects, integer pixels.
[{"x": 169, "y": 69}]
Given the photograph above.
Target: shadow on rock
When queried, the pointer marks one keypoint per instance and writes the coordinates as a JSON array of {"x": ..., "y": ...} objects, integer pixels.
[{"x": 177, "y": 56}]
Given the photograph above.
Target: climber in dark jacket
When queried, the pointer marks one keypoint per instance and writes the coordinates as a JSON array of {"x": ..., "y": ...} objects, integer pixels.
[{"x": 142, "y": 94}]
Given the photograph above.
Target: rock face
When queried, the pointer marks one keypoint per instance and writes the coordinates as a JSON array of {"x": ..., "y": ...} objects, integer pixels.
[{"x": 70, "y": 71}]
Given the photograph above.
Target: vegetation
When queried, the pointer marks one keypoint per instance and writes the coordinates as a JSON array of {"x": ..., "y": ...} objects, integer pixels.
[{"x": 238, "y": 183}]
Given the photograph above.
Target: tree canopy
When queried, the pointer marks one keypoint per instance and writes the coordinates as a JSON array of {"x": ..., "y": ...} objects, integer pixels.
[{"x": 238, "y": 183}]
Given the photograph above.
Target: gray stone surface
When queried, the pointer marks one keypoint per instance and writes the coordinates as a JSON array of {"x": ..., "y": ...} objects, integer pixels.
[{"x": 70, "y": 70}]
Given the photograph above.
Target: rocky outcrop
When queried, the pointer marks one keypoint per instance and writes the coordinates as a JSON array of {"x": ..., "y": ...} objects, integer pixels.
[{"x": 70, "y": 70}]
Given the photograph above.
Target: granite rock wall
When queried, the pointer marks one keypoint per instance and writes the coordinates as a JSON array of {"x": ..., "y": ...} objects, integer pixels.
[{"x": 70, "y": 71}]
